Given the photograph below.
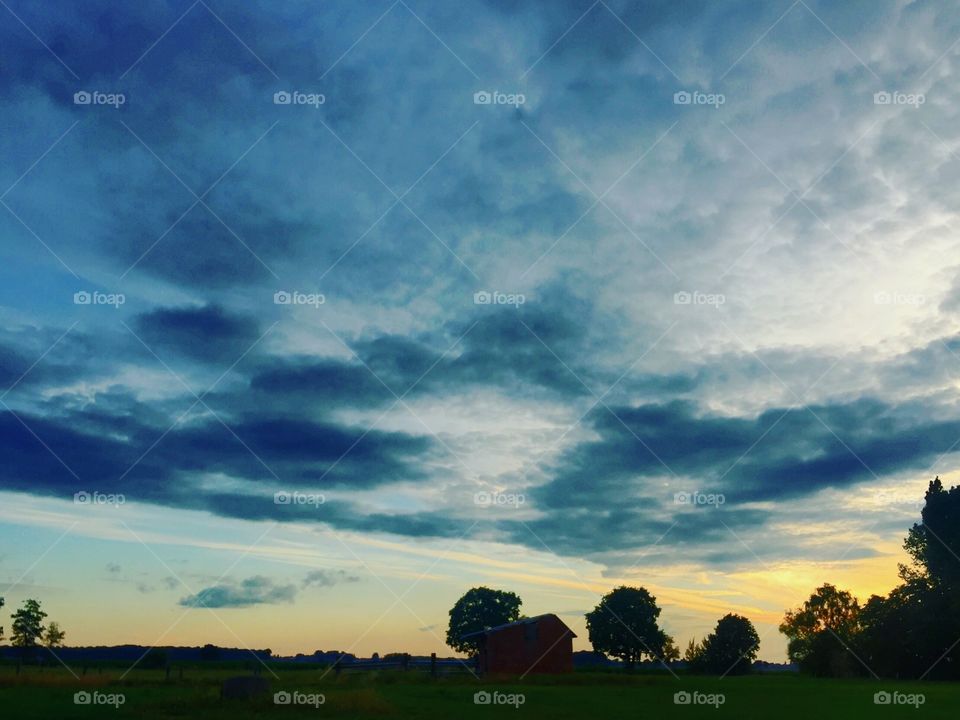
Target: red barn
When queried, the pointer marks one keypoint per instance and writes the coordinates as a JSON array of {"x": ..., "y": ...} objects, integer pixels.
[{"x": 541, "y": 644}]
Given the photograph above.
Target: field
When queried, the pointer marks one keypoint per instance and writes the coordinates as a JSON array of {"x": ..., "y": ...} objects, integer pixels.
[{"x": 147, "y": 694}]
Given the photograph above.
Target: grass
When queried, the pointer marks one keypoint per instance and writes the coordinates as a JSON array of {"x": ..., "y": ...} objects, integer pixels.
[{"x": 369, "y": 695}]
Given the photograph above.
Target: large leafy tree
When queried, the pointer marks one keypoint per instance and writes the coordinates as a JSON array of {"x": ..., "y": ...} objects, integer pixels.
[
  {"x": 624, "y": 625},
  {"x": 821, "y": 631},
  {"x": 27, "y": 625},
  {"x": 730, "y": 649},
  {"x": 480, "y": 608}
]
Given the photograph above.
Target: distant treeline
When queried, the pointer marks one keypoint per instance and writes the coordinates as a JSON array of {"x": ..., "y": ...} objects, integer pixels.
[{"x": 144, "y": 657}]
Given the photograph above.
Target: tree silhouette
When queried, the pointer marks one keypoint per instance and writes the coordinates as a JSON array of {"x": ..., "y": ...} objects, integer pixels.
[
  {"x": 1, "y": 626},
  {"x": 670, "y": 650},
  {"x": 821, "y": 630},
  {"x": 624, "y": 625},
  {"x": 693, "y": 651},
  {"x": 480, "y": 608},
  {"x": 910, "y": 632},
  {"x": 729, "y": 650},
  {"x": 27, "y": 627},
  {"x": 54, "y": 636},
  {"x": 934, "y": 543}
]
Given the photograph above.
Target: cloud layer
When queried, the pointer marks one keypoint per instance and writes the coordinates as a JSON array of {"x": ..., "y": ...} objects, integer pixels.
[{"x": 597, "y": 298}]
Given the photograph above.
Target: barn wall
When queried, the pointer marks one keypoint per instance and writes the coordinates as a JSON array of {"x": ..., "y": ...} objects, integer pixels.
[{"x": 542, "y": 647}]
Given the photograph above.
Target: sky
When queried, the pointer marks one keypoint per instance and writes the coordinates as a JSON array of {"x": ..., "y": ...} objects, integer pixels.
[{"x": 315, "y": 315}]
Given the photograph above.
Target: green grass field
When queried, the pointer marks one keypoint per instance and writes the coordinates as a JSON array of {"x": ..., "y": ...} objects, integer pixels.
[{"x": 412, "y": 695}]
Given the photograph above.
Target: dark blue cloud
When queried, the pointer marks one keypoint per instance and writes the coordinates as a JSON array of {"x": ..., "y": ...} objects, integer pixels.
[
  {"x": 256, "y": 590},
  {"x": 207, "y": 333}
]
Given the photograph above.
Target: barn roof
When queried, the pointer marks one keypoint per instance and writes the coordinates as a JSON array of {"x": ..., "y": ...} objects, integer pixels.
[{"x": 523, "y": 621}]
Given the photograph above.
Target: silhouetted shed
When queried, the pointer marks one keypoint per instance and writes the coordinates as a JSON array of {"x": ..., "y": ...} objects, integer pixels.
[{"x": 541, "y": 644}]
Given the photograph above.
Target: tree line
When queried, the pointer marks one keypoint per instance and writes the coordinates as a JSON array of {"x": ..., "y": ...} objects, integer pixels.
[
  {"x": 28, "y": 631},
  {"x": 912, "y": 632},
  {"x": 623, "y": 625}
]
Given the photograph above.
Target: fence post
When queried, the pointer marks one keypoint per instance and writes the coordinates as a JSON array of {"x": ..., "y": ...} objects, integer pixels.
[{"x": 433, "y": 664}]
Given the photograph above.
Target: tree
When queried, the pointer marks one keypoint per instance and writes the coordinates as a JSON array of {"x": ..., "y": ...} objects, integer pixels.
[
  {"x": 670, "y": 650},
  {"x": 54, "y": 636},
  {"x": 910, "y": 633},
  {"x": 934, "y": 543},
  {"x": 27, "y": 625},
  {"x": 480, "y": 608},
  {"x": 821, "y": 631},
  {"x": 730, "y": 649},
  {"x": 624, "y": 625},
  {"x": 693, "y": 652}
]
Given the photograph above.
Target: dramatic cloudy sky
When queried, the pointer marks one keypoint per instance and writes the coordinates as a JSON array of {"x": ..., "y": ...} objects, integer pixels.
[{"x": 750, "y": 297}]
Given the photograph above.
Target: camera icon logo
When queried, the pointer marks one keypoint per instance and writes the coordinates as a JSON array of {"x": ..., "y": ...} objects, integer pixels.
[
  {"x": 681, "y": 97},
  {"x": 282, "y": 98},
  {"x": 682, "y": 298},
  {"x": 482, "y": 98},
  {"x": 882, "y": 698},
  {"x": 282, "y": 297},
  {"x": 81, "y": 498},
  {"x": 282, "y": 698},
  {"x": 882, "y": 98},
  {"x": 81, "y": 698},
  {"x": 82, "y": 97},
  {"x": 682, "y": 698},
  {"x": 481, "y": 297},
  {"x": 482, "y": 698},
  {"x": 281, "y": 498},
  {"x": 82, "y": 298}
]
